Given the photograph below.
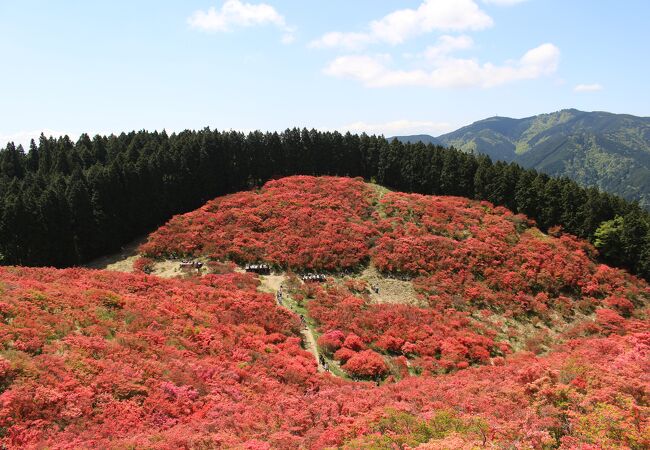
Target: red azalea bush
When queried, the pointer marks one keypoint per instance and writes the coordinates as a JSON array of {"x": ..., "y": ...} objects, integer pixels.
[
  {"x": 331, "y": 341},
  {"x": 354, "y": 342},
  {"x": 343, "y": 354},
  {"x": 88, "y": 356},
  {"x": 588, "y": 394},
  {"x": 610, "y": 321},
  {"x": 422, "y": 234},
  {"x": 465, "y": 254},
  {"x": 366, "y": 364},
  {"x": 144, "y": 265}
]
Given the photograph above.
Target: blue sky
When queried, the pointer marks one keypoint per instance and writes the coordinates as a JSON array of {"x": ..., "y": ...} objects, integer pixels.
[{"x": 366, "y": 65}]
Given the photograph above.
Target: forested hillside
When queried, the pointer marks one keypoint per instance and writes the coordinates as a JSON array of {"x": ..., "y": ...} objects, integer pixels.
[
  {"x": 64, "y": 202},
  {"x": 610, "y": 151}
]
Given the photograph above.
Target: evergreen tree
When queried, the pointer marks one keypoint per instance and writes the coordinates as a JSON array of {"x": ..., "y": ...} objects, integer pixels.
[
  {"x": 82, "y": 220},
  {"x": 31, "y": 164},
  {"x": 482, "y": 178},
  {"x": 633, "y": 236},
  {"x": 12, "y": 162},
  {"x": 643, "y": 266}
]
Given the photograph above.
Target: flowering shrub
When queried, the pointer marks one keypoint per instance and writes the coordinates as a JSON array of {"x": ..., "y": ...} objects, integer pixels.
[
  {"x": 610, "y": 321},
  {"x": 366, "y": 364},
  {"x": 87, "y": 356},
  {"x": 331, "y": 341},
  {"x": 469, "y": 255},
  {"x": 464, "y": 254},
  {"x": 436, "y": 341},
  {"x": 143, "y": 265},
  {"x": 102, "y": 359},
  {"x": 297, "y": 222}
]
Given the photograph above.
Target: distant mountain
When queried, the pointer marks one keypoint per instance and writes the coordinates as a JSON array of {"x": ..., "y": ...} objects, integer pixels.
[
  {"x": 424, "y": 138},
  {"x": 611, "y": 151}
]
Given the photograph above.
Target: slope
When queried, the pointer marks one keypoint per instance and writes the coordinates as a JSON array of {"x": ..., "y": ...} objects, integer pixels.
[
  {"x": 101, "y": 359},
  {"x": 477, "y": 262}
]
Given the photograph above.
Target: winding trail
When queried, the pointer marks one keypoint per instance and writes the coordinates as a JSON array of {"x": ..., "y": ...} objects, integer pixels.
[
  {"x": 271, "y": 284},
  {"x": 123, "y": 262},
  {"x": 310, "y": 342}
]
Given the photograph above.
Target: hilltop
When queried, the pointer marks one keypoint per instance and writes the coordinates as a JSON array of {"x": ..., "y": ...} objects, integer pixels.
[
  {"x": 437, "y": 318},
  {"x": 481, "y": 261},
  {"x": 611, "y": 151}
]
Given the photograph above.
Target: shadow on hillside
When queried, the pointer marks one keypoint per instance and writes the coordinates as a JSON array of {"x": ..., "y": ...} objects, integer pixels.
[{"x": 127, "y": 252}]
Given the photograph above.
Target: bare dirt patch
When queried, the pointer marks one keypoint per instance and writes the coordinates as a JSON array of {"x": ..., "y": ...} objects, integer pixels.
[
  {"x": 271, "y": 283},
  {"x": 171, "y": 268},
  {"x": 121, "y": 261},
  {"x": 390, "y": 290}
]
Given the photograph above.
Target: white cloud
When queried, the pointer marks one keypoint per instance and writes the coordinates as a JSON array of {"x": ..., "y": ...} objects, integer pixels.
[
  {"x": 504, "y": 2},
  {"x": 446, "y": 45},
  {"x": 373, "y": 71},
  {"x": 348, "y": 41},
  {"x": 588, "y": 87},
  {"x": 288, "y": 37},
  {"x": 401, "y": 25},
  {"x": 398, "y": 127},
  {"x": 236, "y": 14},
  {"x": 24, "y": 137}
]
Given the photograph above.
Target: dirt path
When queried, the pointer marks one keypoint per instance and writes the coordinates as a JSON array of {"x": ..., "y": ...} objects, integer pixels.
[
  {"x": 310, "y": 342},
  {"x": 271, "y": 284},
  {"x": 121, "y": 261}
]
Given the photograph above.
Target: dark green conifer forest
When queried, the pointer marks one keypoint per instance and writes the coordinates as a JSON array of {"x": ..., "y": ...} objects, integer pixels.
[{"x": 63, "y": 203}]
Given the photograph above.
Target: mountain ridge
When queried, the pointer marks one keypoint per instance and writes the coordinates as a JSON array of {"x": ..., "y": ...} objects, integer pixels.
[{"x": 598, "y": 148}]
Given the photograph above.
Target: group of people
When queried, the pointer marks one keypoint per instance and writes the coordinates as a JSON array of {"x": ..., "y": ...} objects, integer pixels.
[
  {"x": 313, "y": 277},
  {"x": 190, "y": 264},
  {"x": 323, "y": 362},
  {"x": 262, "y": 269}
]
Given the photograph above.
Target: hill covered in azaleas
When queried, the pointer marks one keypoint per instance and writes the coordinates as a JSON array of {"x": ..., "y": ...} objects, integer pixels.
[
  {"x": 461, "y": 253},
  {"x": 299, "y": 222},
  {"x": 519, "y": 339}
]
